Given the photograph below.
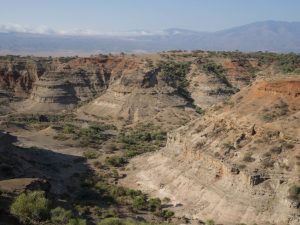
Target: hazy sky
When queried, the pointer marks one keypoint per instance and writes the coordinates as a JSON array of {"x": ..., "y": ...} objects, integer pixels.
[{"x": 123, "y": 15}]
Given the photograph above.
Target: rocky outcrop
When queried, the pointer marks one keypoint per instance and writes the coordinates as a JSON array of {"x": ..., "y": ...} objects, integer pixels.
[
  {"x": 17, "y": 75},
  {"x": 64, "y": 89},
  {"x": 139, "y": 95},
  {"x": 217, "y": 168},
  {"x": 131, "y": 82}
]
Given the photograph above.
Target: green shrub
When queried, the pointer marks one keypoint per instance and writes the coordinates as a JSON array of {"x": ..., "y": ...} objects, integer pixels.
[
  {"x": 92, "y": 135},
  {"x": 213, "y": 68},
  {"x": 167, "y": 214},
  {"x": 69, "y": 128},
  {"x": 90, "y": 155},
  {"x": 133, "y": 193},
  {"x": 31, "y": 207},
  {"x": 218, "y": 71},
  {"x": 118, "y": 221},
  {"x": 154, "y": 204},
  {"x": 288, "y": 63},
  {"x": 199, "y": 110},
  {"x": 174, "y": 74},
  {"x": 210, "y": 222},
  {"x": 294, "y": 193},
  {"x": 116, "y": 161},
  {"x": 60, "y": 215},
  {"x": 141, "y": 139},
  {"x": 112, "y": 221},
  {"x": 76, "y": 221},
  {"x": 139, "y": 202}
]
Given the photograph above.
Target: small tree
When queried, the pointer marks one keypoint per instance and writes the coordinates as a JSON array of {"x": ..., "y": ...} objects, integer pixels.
[
  {"x": 31, "y": 207},
  {"x": 139, "y": 202}
]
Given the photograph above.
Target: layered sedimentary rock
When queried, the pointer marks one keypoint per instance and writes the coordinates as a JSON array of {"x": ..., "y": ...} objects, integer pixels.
[
  {"x": 139, "y": 95},
  {"x": 18, "y": 75},
  {"x": 234, "y": 165},
  {"x": 127, "y": 84},
  {"x": 64, "y": 89}
]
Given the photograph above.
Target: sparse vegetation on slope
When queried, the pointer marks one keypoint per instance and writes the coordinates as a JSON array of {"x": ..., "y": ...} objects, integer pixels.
[
  {"x": 141, "y": 139},
  {"x": 288, "y": 63},
  {"x": 218, "y": 71},
  {"x": 294, "y": 193},
  {"x": 90, "y": 135},
  {"x": 119, "y": 221},
  {"x": 174, "y": 74}
]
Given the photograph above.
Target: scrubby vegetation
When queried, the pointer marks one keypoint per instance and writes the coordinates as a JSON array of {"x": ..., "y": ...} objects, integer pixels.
[
  {"x": 100, "y": 190},
  {"x": 216, "y": 70},
  {"x": 34, "y": 208},
  {"x": 90, "y": 154},
  {"x": 210, "y": 222},
  {"x": 90, "y": 135},
  {"x": 39, "y": 118},
  {"x": 119, "y": 221},
  {"x": 276, "y": 111},
  {"x": 60, "y": 216},
  {"x": 100, "y": 197},
  {"x": 96, "y": 196},
  {"x": 199, "y": 110},
  {"x": 174, "y": 74},
  {"x": 288, "y": 63},
  {"x": 294, "y": 193},
  {"x": 141, "y": 139},
  {"x": 31, "y": 207},
  {"x": 116, "y": 161}
]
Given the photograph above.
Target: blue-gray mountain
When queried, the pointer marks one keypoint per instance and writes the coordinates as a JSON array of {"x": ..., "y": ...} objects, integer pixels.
[{"x": 260, "y": 36}]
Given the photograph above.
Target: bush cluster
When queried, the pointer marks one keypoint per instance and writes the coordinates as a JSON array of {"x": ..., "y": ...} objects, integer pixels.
[
  {"x": 143, "y": 138},
  {"x": 174, "y": 74},
  {"x": 216, "y": 70},
  {"x": 118, "y": 221},
  {"x": 34, "y": 208},
  {"x": 91, "y": 136},
  {"x": 294, "y": 193}
]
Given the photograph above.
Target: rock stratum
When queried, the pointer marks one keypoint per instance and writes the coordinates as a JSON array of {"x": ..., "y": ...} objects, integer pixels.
[{"x": 236, "y": 163}]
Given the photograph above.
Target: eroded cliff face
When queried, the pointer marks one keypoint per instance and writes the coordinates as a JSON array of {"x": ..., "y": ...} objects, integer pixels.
[
  {"x": 18, "y": 75},
  {"x": 64, "y": 82},
  {"x": 140, "y": 95},
  {"x": 234, "y": 165}
]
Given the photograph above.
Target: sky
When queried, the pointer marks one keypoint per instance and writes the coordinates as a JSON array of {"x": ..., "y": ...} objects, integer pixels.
[{"x": 153, "y": 15}]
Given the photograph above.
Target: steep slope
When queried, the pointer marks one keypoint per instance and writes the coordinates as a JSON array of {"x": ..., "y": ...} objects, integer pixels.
[
  {"x": 234, "y": 165},
  {"x": 139, "y": 95},
  {"x": 17, "y": 75},
  {"x": 64, "y": 88}
]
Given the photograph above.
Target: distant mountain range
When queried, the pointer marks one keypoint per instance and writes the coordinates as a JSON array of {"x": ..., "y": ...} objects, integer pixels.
[{"x": 271, "y": 36}]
